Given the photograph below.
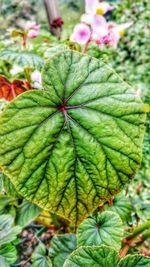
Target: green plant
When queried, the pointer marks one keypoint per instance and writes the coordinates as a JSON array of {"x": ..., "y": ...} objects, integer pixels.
[
  {"x": 46, "y": 126},
  {"x": 68, "y": 149}
]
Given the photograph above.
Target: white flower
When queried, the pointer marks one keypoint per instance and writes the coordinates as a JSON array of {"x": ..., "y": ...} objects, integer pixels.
[
  {"x": 15, "y": 70},
  {"x": 36, "y": 78}
]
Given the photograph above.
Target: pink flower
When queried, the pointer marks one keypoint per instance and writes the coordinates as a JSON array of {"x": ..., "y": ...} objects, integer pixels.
[
  {"x": 94, "y": 7},
  {"x": 32, "y": 34},
  {"x": 33, "y": 29},
  {"x": 116, "y": 32},
  {"x": 81, "y": 34},
  {"x": 99, "y": 26}
]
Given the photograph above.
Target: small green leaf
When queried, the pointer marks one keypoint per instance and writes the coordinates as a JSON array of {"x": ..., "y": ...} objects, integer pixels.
[
  {"x": 70, "y": 147},
  {"x": 104, "y": 229},
  {"x": 9, "y": 188},
  {"x": 40, "y": 257},
  {"x": 143, "y": 210},
  {"x": 26, "y": 213},
  {"x": 61, "y": 247},
  {"x": 5, "y": 200},
  {"x": 8, "y": 255},
  {"x": 4, "y": 262},
  {"x": 122, "y": 206},
  {"x": 22, "y": 59},
  {"x": 8, "y": 233},
  {"x": 93, "y": 257},
  {"x": 135, "y": 261}
]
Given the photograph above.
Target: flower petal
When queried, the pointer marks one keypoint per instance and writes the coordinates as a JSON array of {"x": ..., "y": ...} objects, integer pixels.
[
  {"x": 99, "y": 25},
  {"x": 90, "y": 6},
  {"x": 103, "y": 8},
  {"x": 33, "y": 33},
  {"x": 87, "y": 18},
  {"x": 81, "y": 34},
  {"x": 123, "y": 26}
]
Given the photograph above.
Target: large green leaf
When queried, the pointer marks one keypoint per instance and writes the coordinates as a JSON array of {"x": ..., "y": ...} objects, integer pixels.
[
  {"x": 8, "y": 233},
  {"x": 135, "y": 261},
  {"x": 93, "y": 257},
  {"x": 103, "y": 256},
  {"x": 72, "y": 146},
  {"x": 8, "y": 255},
  {"x": 40, "y": 258},
  {"x": 61, "y": 247},
  {"x": 104, "y": 229},
  {"x": 26, "y": 213},
  {"x": 23, "y": 59}
]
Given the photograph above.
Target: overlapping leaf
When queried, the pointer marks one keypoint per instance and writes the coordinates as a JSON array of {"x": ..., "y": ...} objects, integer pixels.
[
  {"x": 135, "y": 261},
  {"x": 76, "y": 143},
  {"x": 104, "y": 229},
  {"x": 22, "y": 59},
  {"x": 40, "y": 257},
  {"x": 61, "y": 247},
  {"x": 26, "y": 213},
  {"x": 100, "y": 256},
  {"x": 103, "y": 256},
  {"x": 8, "y": 255},
  {"x": 122, "y": 206},
  {"x": 8, "y": 233}
]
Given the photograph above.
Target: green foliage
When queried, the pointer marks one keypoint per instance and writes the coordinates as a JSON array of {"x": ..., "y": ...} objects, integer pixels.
[
  {"x": 26, "y": 213},
  {"x": 70, "y": 166},
  {"x": 8, "y": 255},
  {"x": 105, "y": 228},
  {"x": 40, "y": 257},
  {"x": 135, "y": 260},
  {"x": 103, "y": 256},
  {"x": 23, "y": 59},
  {"x": 61, "y": 247},
  {"x": 93, "y": 165},
  {"x": 8, "y": 233},
  {"x": 54, "y": 50},
  {"x": 121, "y": 204},
  {"x": 93, "y": 256}
]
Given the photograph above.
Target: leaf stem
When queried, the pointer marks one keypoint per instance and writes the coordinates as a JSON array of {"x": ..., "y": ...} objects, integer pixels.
[
  {"x": 86, "y": 46},
  {"x": 139, "y": 230},
  {"x": 128, "y": 241}
]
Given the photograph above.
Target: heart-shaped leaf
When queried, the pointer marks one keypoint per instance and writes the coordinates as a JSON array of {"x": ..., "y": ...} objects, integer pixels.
[
  {"x": 72, "y": 146},
  {"x": 22, "y": 59},
  {"x": 26, "y": 213},
  {"x": 7, "y": 232},
  {"x": 135, "y": 261},
  {"x": 61, "y": 247},
  {"x": 40, "y": 257},
  {"x": 93, "y": 256},
  {"x": 104, "y": 229},
  {"x": 8, "y": 255}
]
